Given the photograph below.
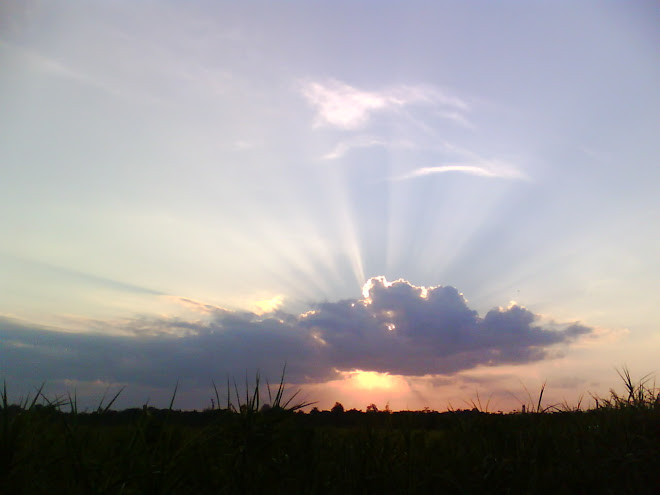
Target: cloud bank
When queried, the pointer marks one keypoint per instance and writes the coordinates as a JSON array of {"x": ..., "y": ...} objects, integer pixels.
[{"x": 395, "y": 327}]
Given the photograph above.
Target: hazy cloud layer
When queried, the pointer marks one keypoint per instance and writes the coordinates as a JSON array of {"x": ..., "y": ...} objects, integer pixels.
[{"x": 396, "y": 327}]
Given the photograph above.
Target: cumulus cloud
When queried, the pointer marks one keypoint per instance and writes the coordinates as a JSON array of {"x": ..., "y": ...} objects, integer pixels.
[
  {"x": 395, "y": 327},
  {"x": 339, "y": 105}
]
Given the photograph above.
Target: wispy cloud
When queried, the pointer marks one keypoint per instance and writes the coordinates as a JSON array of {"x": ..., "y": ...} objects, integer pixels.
[
  {"x": 418, "y": 117},
  {"x": 457, "y": 118},
  {"x": 53, "y": 67},
  {"x": 339, "y": 105},
  {"x": 364, "y": 141},
  {"x": 482, "y": 168}
]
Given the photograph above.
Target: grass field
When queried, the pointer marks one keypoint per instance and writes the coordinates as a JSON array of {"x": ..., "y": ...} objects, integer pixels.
[{"x": 48, "y": 446}]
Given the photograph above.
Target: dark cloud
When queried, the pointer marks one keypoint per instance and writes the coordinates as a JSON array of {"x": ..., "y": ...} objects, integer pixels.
[{"x": 398, "y": 328}]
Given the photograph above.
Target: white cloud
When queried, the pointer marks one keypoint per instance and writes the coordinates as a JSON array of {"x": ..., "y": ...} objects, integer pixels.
[
  {"x": 340, "y": 105},
  {"x": 481, "y": 168}
]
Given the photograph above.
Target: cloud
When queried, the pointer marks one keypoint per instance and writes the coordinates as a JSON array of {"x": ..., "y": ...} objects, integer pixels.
[
  {"x": 395, "y": 327},
  {"x": 457, "y": 118},
  {"x": 480, "y": 168},
  {"x": 339, "y": 105},
  {"x": 345, "y": 146},
  {"x": 364, "y": 141},
  {"x": 194, "y": 306},
  {"x": 55, "y": 68},
  {"x": 417, "y": 130}
]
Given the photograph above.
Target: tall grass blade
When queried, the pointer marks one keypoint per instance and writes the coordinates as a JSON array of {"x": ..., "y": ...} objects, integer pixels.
[
  {"x": 217, "y": 395},
  {"x": 36, "y": 396},
  {"x": 176, "y": 387},
  {"x": 106, "y": 408},
  {"x": 228, "y": 395},
  {"x": 238, "y": 397},
  {"x": 270, "y": 397},
  {"x": 538, "y": 404}
]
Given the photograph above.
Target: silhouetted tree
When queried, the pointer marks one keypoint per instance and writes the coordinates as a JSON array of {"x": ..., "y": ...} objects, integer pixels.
[{"x": 338, "y": 408}]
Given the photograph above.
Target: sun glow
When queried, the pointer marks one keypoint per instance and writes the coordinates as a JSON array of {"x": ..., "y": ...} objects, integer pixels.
[
  {"x": 268, "y": 305},
  {"x": 371, "y": 380}
]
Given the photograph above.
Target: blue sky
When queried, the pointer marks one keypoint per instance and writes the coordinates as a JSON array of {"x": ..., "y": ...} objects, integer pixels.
[{"x": 190, "y": 190}]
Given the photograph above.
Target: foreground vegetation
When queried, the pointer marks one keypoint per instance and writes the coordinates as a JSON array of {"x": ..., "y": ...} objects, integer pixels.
[{"x": 47, "y": 446}]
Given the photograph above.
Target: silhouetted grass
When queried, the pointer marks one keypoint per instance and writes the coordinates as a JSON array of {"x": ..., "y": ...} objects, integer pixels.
[{"x": 49, "y": 446}]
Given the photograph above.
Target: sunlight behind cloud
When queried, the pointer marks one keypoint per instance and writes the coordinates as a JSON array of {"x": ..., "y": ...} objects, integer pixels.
[
  {"x": 268, "y": 305},
  {"x": 370, "y": 380},
  {"x": 200, "y": 175}
]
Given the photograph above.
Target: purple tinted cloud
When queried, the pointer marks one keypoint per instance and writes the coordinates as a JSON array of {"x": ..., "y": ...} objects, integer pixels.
[{"x": 396, "y": 327}]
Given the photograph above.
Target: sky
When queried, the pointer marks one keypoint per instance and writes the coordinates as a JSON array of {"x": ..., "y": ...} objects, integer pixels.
[{"x": 414, "y": 204}]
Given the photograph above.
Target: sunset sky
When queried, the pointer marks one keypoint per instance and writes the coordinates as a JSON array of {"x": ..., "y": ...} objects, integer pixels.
[{"x": 409, "y": 203}]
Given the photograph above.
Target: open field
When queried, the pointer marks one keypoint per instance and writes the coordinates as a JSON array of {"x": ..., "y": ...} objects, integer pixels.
[{"x": 47, "y": 446}]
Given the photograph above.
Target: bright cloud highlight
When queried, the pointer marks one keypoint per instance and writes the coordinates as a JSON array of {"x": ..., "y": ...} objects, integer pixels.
[
  {"x": 339, "y": 105},
  {"x": 485, "y": 168}
]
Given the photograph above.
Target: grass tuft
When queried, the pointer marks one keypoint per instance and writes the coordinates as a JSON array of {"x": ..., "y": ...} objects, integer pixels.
[{"x": 48, "y": 445}]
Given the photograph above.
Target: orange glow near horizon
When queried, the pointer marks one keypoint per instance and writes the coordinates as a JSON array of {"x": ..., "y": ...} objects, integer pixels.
[
  {"x": 371, "y": 380},
  {"x": 494, "y": 389}
]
